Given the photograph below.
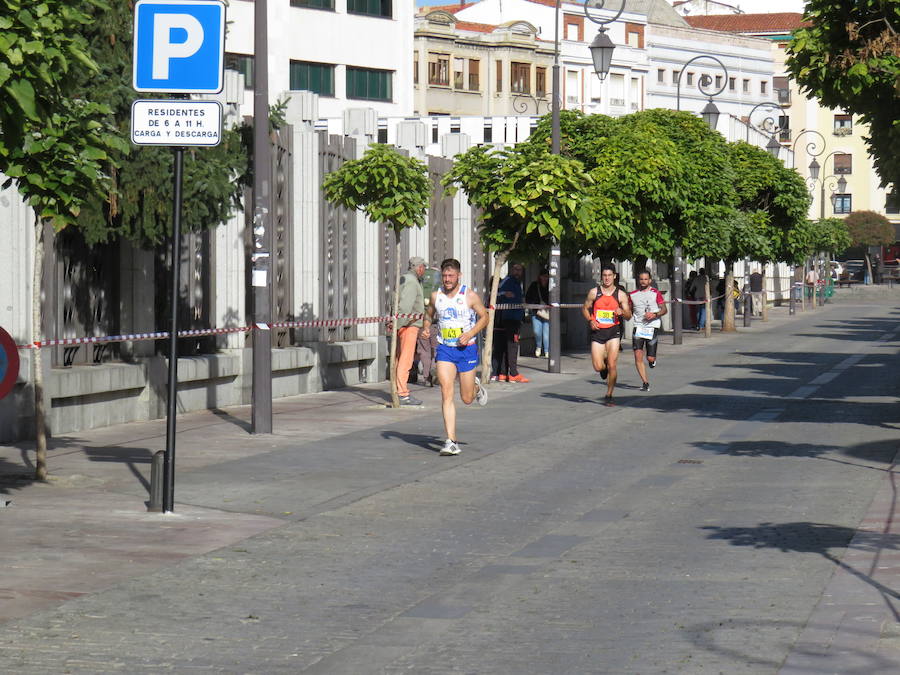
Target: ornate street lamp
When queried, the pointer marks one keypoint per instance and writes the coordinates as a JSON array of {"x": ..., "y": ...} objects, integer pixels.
[
  {"x": 769, "y": 126},
  {"x": 710, "y": 113},
  {"x": 601, "y": 53}
]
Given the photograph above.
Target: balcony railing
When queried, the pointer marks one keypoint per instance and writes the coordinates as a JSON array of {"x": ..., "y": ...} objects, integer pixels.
[{"x": 784, "y": 96}]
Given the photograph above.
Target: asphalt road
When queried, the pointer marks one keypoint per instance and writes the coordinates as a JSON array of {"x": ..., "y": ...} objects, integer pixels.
[{"x": 691, "y": 529}]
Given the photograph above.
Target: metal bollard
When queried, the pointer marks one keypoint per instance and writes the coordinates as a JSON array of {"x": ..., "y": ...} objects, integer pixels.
[{"x": 156, "y": 482}]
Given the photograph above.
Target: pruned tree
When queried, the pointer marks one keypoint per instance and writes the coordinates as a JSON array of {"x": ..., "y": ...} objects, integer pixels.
[
  {"x": 389, "y": 188},
  {"x": 868, "y": 228},
  {"x": 53, "y": 143},
  {"x": 771, "y": 200},
  {"x": 526, "y": 195}
]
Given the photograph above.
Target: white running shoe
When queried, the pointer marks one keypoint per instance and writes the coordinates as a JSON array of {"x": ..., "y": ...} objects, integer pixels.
[
  {"x": 450, "y": 448},
  {"x": 481, "y": 394}
]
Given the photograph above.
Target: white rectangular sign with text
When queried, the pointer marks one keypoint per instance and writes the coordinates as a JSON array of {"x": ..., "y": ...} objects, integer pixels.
[{"x": 175, "y": 123}]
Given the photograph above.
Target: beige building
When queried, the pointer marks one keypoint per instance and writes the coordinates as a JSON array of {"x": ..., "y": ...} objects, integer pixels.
[
  {"x": 847, "y": 180},
  {"x": 466, "y": 68}
]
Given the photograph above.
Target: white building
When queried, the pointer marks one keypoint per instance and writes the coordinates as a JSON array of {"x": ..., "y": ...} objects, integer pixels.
[
  {"x": 653, "y": 44},
  {"x": 353, "y": 53}
]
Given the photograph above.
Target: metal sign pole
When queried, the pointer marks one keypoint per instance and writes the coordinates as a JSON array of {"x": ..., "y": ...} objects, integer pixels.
[
  {"x": 169, "y": 462},
  {"x": 261, "y": 384}
]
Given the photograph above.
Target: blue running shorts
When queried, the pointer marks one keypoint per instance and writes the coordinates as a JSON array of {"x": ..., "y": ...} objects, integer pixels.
[{"x": 464, "y": 358}]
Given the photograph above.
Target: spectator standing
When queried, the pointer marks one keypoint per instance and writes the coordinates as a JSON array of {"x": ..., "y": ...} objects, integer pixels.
[
  {"x": 756, "y": 293},
  {"x": 538, "y": 293},
  {"x": 700, "y": 285},
  {"x": 689, "y": 295},
  {"x": 412, "y": 301},
  {"x": 510, "y": 293},
  {"x": 426, "y": 343}
]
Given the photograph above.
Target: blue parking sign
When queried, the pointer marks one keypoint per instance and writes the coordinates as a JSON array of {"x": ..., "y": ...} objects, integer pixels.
[{"x": 179, "y": 47}]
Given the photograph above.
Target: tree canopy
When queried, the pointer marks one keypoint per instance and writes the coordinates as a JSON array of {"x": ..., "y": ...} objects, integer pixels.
[
  {"x": 849, "y": 57},
  {"x": 868, "y": 228}
]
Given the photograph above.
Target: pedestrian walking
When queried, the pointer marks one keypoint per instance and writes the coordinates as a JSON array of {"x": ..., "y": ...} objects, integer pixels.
[
  {"x": 458, "y": 315},
  {"x": 412, "y": 301},
  {"x": 538, "y": 293},
  {"x": 648, "y": 305},
  {"x": 689, "y": 295},
  {"x": 604, "y": 309}
]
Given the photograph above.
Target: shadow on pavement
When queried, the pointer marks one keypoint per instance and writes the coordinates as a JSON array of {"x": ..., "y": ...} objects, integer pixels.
[
  {"x": 130, "y": 457},
  {"x": 428, "y": 442},
  {"x": 236, "y": 421},
  {"x": 740, "y": 408},
  {"x": 875, "y": 452},
  {"x": 573, "y": 398},
  {"x": 820, "y": 538},
  {"x": 723, "y": 635}
]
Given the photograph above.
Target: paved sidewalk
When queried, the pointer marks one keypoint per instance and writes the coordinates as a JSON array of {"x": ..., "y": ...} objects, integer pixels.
[{"x": 87, "y": 528}]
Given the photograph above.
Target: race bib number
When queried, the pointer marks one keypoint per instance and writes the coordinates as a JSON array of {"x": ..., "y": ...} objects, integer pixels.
[
  {"x": 605, "y": 316},
  {"x": 645, "y": 332},
  {"x": 451, "y": 335}
]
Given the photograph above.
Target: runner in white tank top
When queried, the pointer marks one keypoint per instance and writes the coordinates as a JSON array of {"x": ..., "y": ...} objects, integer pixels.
[{"x": 458, "y": 315}]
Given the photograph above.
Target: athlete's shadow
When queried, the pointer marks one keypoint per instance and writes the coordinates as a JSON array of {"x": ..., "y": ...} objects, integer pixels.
[
  {"x": 428, "y": 442},
  {"x": 571, "y": 398}
]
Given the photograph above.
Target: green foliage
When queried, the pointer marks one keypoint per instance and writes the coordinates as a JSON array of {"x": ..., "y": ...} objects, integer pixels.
[
  {"x": 40, "y": 47},
  {"x": 387, "y": 186},
  {"x": 53, "y": 143},
  {"x": 138, "y": 203},
  {"x": 526, "y": 195},
  {"x": 776, "y": 200},
  {"x": 850, "y": 58},
  {"x": 832, "y": 235},
  {"x": 868, "y": 228},
  {"x": 580, "y": 135},
  {"x": 59, "y": 165}
]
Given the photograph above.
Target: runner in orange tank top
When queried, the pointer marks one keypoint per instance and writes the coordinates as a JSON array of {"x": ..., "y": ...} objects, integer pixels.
[{"x": 604, "y": 308}]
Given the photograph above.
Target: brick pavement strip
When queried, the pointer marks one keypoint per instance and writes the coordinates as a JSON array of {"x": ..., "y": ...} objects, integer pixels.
[{"x": 575, "y": 541}]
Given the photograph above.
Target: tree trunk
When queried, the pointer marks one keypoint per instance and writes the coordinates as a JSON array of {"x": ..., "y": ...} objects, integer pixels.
[
  {"x": 395, "y": 308},
  {"x": 40, "y": 428},
  {"x": 869, "y": 267},
  {"x": 707, "y": 328},
  {"x": 728, "y": 300},
  {"x": 640, "y": 263},
  {"x": 499, "y": 261},
  {"x": 803, "y": 286},
  {"x": 765, "y": 305}
]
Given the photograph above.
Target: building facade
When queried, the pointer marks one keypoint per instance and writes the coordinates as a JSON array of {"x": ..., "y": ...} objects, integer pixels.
[
  {"x": 847, "y": 180},
  {"x": 351, "y": 53},
  {"x": 468, "y": 68}
]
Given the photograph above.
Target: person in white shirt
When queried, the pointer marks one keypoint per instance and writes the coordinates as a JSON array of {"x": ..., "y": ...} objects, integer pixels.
[{"x": 648, "y": 305}]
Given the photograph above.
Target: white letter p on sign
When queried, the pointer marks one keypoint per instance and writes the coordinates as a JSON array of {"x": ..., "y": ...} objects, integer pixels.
[{"x": 164, "y": 49}]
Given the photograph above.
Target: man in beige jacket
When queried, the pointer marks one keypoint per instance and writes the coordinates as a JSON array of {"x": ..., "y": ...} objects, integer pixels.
[{"x": 412, "y": 301}]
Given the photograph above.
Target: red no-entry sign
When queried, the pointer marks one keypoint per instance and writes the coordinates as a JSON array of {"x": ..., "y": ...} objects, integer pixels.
[{"x": 9, "y": 363}]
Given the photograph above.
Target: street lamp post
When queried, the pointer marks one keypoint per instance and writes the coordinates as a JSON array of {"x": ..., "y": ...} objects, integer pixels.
[
  {"x": 770, "y": 127},
  {"x": 710, "y": 115},
  {"x": 601, "y": 54},
  {"x": 814, "y": 148}
]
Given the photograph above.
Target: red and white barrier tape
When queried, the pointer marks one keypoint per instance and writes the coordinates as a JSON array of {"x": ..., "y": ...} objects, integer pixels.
[{"x": 163, "y": 335}]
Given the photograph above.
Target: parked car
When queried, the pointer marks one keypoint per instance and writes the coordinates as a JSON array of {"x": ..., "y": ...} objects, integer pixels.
[{"x": 854, "y": 269}]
